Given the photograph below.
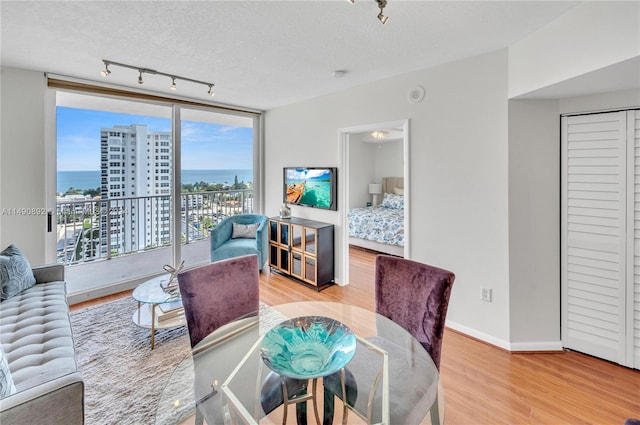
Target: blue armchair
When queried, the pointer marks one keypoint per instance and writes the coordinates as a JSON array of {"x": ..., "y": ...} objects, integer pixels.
[{"x": 223, "y": 246}]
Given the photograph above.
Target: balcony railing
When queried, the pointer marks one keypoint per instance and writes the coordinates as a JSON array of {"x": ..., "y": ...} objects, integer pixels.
[{"x": 98, "y": 229}]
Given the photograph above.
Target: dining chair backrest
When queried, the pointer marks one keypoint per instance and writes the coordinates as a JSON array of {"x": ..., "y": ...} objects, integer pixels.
[
  {"x": 415, "y": 296},
  {"x": 218, "y": 293}
]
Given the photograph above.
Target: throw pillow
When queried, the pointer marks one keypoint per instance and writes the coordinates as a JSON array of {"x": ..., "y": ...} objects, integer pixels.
[
  {"x": 391, "y": 200},
  {"x": 398, "y": 190},
  {"x": 15, "y": 272},
  {"x": 244, "y": 230},
  {"x": 7, "y": 386}
]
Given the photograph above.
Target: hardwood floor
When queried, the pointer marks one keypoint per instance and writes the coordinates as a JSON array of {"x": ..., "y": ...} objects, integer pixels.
[{"x": 485, "y": 384}]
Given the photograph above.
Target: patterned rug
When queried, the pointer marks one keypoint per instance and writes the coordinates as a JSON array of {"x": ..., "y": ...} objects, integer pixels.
[{"x": 123, "y": 377}]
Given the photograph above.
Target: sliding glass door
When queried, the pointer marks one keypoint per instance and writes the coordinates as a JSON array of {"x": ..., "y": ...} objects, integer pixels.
[
  {"x": 141, "y": 183},
  {"x": 216, "y": 175}
]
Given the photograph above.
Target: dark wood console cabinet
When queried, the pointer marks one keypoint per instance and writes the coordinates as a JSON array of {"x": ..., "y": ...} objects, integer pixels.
[{"x": 302, "y": 249}]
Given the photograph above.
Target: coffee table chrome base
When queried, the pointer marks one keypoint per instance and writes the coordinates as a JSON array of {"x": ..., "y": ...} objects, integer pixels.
[{"x": 145, "y": 317}]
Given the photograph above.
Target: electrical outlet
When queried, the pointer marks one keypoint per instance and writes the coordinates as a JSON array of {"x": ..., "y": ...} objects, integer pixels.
[{"x": 486, "y": 294}]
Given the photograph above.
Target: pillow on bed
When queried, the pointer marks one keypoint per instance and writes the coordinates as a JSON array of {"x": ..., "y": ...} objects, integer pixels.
[
  {"x": 398, "y": 190},
  {"x": 392, "y": 200}
]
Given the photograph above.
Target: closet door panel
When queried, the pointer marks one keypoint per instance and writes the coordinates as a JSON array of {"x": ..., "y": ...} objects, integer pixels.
[
  {"x": 633, "y": 293},
  {"x": 594, "y": 234}
]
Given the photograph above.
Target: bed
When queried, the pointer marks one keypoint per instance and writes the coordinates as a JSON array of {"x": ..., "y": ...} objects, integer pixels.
[{"x": 381, "y": 228}]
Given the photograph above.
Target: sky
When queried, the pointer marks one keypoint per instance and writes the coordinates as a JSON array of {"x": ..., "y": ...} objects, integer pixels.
[{"x": 205, "y": 146}]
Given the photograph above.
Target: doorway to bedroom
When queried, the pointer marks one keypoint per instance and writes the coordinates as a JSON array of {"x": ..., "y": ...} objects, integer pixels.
[{"x": 375, "y": 190}]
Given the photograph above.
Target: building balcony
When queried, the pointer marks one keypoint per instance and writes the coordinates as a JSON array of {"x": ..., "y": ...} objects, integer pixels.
[{"x": 104, "y": 256}]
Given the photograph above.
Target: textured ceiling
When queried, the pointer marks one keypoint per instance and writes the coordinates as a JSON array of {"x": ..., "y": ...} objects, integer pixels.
[{"x": 260, "y": 54}]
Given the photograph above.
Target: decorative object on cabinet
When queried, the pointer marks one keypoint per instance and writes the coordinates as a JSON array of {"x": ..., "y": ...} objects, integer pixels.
[
  {"x": 302, "y": 249},
  {"x": 285, "y": 211}
]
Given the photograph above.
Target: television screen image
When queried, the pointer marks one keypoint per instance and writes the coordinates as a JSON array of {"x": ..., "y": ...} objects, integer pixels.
[{"x": 311, "y": 187}]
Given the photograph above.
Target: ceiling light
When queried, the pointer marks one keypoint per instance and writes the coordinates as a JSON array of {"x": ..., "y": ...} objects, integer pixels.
[
  {"x": 105, "y": 72},
  {"x": 381, "y": 4},
  {"x": 379, "y": 134}
]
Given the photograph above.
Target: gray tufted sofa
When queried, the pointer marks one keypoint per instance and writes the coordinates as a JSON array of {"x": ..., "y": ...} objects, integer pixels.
[{"x": 35, "y": 333}]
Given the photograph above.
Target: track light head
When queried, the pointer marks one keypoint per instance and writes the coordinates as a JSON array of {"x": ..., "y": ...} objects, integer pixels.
[
  {"x": 173, "y": 83},
  {"x": 140, "y": 81},
  {"x": 382, "y": 4},
  {"x": 211, "y": 92},
  {"x": 105, "y": 72}
]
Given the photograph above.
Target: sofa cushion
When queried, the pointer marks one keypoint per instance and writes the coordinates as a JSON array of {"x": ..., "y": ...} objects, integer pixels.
[
  {"x": 15, "y": 272},
  {"x": 6, "y": 381},
  {"x": 35, "y": 332},
  {"x": 244, "y": 230}
]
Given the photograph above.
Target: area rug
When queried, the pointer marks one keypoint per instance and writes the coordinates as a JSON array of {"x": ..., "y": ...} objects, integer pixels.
[{"x": 123, "y": 377}]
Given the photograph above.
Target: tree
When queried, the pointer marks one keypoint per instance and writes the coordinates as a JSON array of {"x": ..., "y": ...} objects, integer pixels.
[
  {"x": 73, "y": 191},
  {"x": 92, "y": 192}
]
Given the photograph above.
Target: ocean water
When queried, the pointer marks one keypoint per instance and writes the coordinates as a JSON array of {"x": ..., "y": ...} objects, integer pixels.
[{"x": 91, "y": 179}]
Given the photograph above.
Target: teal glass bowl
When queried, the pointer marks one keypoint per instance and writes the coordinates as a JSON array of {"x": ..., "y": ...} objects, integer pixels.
[{"x": 308, "y": 347}]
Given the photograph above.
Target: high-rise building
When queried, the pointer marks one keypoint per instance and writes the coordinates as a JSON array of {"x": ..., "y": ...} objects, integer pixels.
[{"x": 136, "y": 181}]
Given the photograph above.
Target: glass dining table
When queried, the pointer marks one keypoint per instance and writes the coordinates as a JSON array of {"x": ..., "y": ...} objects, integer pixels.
[{"x": 395, "y": 378}]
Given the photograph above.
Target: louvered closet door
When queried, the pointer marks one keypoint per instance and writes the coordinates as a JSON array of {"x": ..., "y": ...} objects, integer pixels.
[
  {"x": 633, "y": 292},
  {"x": 594, "y": 243}
]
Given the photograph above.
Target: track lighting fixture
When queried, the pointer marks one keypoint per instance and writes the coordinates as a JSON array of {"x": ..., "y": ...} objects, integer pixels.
[
  {"x": 105, "y": 73},
  {"x": 381, "y": 4}
]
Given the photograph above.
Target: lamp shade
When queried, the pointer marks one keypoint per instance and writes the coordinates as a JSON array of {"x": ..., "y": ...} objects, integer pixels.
[{"x": 375, "y": 188}]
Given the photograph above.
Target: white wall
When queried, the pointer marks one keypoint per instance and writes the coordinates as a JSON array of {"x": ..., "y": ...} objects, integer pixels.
[
  {"x": 388, "y": 160},
  {"x": 23, "y": 169},
  {"x": 458, "y": 151},
  {"x": 534, "y": 234},
  {"x": 369, "y": 163},
  {"x": 361, "y": 171},
  {"x": 590, "y": 36},
  {"x": 600, "y": 102}
]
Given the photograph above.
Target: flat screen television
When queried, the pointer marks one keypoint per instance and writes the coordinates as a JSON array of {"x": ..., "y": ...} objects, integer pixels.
[{"x": 315, "y": 187}]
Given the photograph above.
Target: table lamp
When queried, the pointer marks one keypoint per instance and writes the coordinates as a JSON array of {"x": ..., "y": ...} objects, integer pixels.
[{"x": 375, "y": 189}]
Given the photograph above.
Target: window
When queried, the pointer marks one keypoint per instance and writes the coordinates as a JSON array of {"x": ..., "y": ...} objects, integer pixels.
[{"x": 211, "y": 141}]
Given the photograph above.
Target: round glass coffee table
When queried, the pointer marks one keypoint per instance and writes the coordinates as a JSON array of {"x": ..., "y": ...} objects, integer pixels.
[{"x": 157, "y": 309}]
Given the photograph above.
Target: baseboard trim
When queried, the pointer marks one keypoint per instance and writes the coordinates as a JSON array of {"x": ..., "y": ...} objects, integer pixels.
[
  {"x": 551, "y": 346},
  {"x": 514, "y": 347},
  {"x": 478, "y": 335}
]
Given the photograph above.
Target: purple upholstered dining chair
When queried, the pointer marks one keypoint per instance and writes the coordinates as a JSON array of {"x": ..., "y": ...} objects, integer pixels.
[
  {"x": 219, "y": 293},
  {"x": 413, "y": 295}
]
